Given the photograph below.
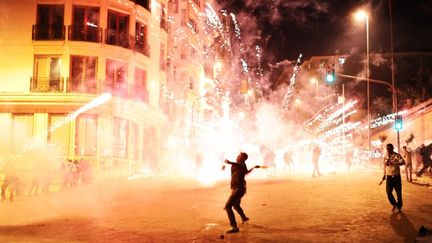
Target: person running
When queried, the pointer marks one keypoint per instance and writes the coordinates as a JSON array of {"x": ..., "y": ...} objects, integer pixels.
[
  {"x": 315, "y": 158},
  {"x": 407, "y": 156},
  {"x": 425, "y": 153},
  {"x": 238, "y": 187},
  {"x": 392, "y": 161}
]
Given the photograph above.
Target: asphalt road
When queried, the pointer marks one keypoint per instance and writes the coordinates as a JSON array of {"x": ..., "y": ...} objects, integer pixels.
[{"x": 348, "y": 207}]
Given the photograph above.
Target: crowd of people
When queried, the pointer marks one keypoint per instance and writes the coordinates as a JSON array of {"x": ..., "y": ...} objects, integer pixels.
[{"x": 42, "y": 176}]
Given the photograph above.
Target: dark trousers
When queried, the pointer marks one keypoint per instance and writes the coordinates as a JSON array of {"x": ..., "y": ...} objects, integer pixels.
[
  {"x": 394, "y": 182},
  {"x": 234, "y": 201}
]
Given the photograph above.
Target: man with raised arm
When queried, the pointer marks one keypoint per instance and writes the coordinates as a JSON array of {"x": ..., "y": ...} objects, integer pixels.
[{"x": 238, "y": 187}]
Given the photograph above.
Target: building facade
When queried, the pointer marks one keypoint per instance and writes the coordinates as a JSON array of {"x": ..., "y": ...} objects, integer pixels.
[{"x": 59, "y": 55}]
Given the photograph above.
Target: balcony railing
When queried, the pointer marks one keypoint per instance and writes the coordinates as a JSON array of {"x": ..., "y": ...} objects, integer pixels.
[
  {"x": 119, "y": 39},
  {"x": 164, "y": 24},
  {"x": 41, "y": 32},
  {"x": 89, "y": 86},
  {"x": 38, "y": 84},
  {"x": 84, "y": 33},
  {"x": 142, "y": 47},
  {"x": 117, "y": 90}
]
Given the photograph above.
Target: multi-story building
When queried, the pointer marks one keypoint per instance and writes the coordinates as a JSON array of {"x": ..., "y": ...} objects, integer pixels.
[
  {"x": 192, "y": 63},
  {"x": 58, "y": 55}
]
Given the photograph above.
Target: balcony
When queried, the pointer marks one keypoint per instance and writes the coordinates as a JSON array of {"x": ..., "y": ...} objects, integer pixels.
[
  {"x": 85, "y": 33},
  {"x": 89, "y": 86},
  {"x": 119, "y": 39},
  {"x": 142, "y": 47},
  {"x": 54, "y": 85},
  {"x": 164, "y": 24},
  {"x": 41, "y": 32}
]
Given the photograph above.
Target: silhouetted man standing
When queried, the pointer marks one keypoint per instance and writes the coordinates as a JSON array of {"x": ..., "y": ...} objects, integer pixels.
[
  {"x": 238, "y": 187},
  {"x": 392, "y": 161},
  {"x": 315, "y": 159},
  {"x": 407, "y": 156}
]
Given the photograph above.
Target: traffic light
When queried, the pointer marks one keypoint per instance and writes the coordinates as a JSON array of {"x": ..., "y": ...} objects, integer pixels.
[
  {"x": 330, "y": 74},
  {"x": 398, "y": 125}
]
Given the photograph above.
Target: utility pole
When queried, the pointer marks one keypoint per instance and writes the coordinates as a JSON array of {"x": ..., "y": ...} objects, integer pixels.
[{"x": 395, "y": 108}]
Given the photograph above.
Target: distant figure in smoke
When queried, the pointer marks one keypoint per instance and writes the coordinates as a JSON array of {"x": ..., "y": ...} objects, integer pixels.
[
  {"x": 407, "y": 156},
  {"x": 425, "y": 153},
  {"x": 349, "y": 158},
  {"x": 288, "y": 160},
  {"x": 238, "y": 187},
  {"x": 198, "y": 163},
  {"x": 11, "y": 181},
  {"x": 315, "y": 158},
  {"x": 68, "y": 169},
  {"x": 269, "y": 161},
  {"x": 86, "y": 171},
  {"x": 37, "y": 174},
  {"x": 392, "y": 161},
  {"x": 75, "y": 172}
]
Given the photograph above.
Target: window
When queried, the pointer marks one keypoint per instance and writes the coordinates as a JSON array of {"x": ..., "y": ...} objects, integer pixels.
[
  {"x": 134, "y": 141},
  {"x": 116, "y": 78},
  {"x": 85, "y": 24},
  {"x": 49, "y": 23},
  {"x": 183, "y": 17},
  {"x": 162, "y": 97},
  {"x": 163, "y": 63},
  {"x": 141, "y": 43},
  {"x": 83, "y": 74},
  {"x": 6, "y": 137},
  {"x": 120, "y": 136},
  {"x": 86, "y": 135},
  {"x": 58, "y": 136},
  {"x": 118, "y": 29},
  {"x": 163, "y": 21},
  {"x": 149, "y": 147},
  {"x": 46, "y": 76},
  {"x": 22, "y": 131},
  {"x": 140, "y": 91}
]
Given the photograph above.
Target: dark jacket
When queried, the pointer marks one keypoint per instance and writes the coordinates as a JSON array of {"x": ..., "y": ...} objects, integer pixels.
[{"x": 238, "y": 173}]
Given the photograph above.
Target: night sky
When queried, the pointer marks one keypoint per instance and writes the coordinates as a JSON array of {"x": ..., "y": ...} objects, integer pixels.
[{"x": 314, "y": 27}]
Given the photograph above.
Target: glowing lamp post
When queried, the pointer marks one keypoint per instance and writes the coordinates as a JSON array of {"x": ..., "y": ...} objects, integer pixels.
[{"x": 360, "y": 16}]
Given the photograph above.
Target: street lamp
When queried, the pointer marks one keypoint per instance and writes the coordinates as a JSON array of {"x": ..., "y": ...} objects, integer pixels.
[
  {"x": 361, "y": 15},
  {"x": 315, "y": 81}
]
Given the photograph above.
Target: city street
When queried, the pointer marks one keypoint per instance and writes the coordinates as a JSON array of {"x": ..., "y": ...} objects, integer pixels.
[{"x": 347, "y": 207}]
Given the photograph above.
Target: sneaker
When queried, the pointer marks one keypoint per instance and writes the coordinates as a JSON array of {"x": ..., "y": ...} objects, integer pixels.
[
  {"x": 233, "y": 230},
  {"x": 245, "y": 220},
  {"x": 398, "y": 210}
]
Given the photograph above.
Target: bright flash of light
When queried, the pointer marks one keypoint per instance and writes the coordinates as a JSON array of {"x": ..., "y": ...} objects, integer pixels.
[
  {"x": 360, "y": 15},
  {"x": 290, "y": 89}
]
